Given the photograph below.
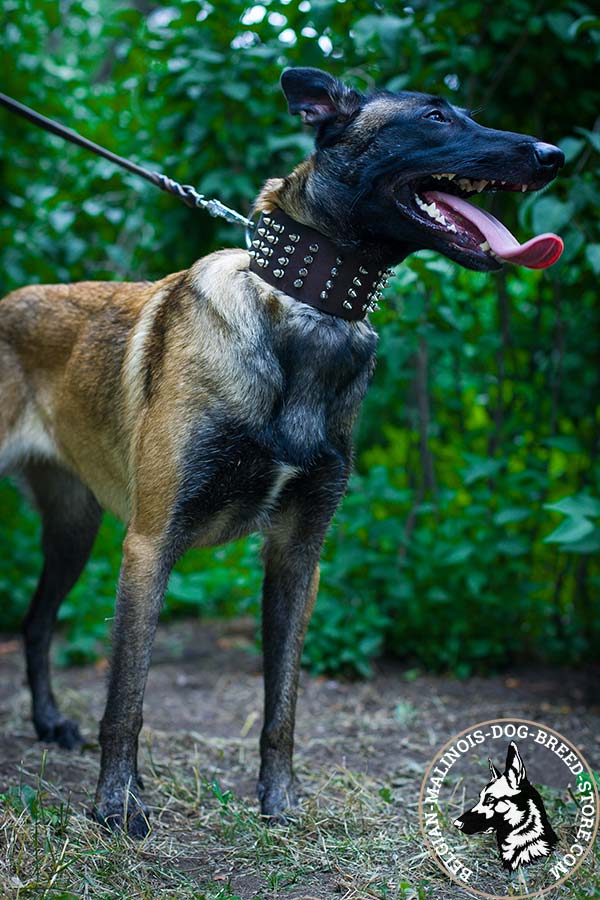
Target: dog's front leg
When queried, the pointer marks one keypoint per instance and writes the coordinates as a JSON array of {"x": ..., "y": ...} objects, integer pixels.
[
  {"x": 290, "y": 591},
  {"x": 290, "y": 587},
  {"x": 142, "y": 583}
]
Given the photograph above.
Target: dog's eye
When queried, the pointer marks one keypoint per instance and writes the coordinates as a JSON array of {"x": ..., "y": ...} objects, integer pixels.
[{"x": 436, "y": 116}]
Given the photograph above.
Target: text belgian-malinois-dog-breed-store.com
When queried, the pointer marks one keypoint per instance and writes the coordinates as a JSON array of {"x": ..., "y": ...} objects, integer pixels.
[{"x": 220, "y": 401}]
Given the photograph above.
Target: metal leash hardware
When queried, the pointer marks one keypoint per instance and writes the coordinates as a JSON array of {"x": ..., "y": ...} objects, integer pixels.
[{"x": 187, "y": 193}]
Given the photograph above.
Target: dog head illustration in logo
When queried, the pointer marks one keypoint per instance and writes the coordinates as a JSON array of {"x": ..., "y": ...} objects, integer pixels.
[{"x": 511, "y": 806}]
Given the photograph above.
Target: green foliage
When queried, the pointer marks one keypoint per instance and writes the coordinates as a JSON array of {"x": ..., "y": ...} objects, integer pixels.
[{"x": 470, "y": 535}]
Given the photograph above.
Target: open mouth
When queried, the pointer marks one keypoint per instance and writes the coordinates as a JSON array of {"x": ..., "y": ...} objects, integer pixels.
[{"x": 439, "y": 203}]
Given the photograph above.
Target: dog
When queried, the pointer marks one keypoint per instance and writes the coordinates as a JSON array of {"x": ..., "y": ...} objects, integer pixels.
[
  {"x": 220, "y": 400},
  {"x": 510, "y": 805}
]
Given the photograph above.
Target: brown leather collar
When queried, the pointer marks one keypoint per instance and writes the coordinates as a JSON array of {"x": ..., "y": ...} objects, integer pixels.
[{"x": 309, "y": 267}]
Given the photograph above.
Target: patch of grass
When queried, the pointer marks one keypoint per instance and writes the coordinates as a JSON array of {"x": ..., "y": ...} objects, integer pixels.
[{"x": 353, "y": 838}]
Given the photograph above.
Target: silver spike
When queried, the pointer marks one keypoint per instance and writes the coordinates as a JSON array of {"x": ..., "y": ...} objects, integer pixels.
[
  {"x": 262, "y": 263},
  {"x": 295, "y": 238},
  {"x": 283, "y": 260},
  {"x": 334, "y": 272},
  {"x": 256, "y": 243},
  {"x": 278, "y": 273},
  {"x": 289, "y": 249},
  {"x": 261, "y": 231},
  {"x": 329, "y": 285},
  {"x": 338, "y": 260},
  {"x": 267, "y": 220},
  {"x": 314, "y": 248},
  {"x": 362, "y": 270},
  {"x": 308, "y": 259},
  {"x": 272, "y": 239},
  {"x": 347, "y": 304},
  {"x": 352, "y": 293},
  {"x": 324, "y": 295},
  {"x": 303, "y": 272},
  {"x": 251, "y": 254},
  {"x": 357, "y": 282},
  {"x": 277, "y": 228},
  {"x": 298, "y": 282}
]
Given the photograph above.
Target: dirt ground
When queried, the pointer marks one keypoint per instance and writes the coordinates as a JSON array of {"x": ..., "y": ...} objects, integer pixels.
[{"x": 203, "y": 713}]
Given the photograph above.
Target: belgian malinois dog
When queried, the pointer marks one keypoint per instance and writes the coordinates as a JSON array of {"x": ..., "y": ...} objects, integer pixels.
[{"x": 220, "y": 400}]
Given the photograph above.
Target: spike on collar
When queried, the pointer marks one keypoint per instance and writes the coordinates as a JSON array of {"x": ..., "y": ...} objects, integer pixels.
[{"x": 310, "y": 268}]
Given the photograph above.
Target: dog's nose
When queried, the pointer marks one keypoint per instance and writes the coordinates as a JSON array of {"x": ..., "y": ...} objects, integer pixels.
[{"x": 548, "y": 156}]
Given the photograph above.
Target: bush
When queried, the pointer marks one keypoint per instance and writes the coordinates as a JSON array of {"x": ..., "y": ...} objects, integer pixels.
[{"x": 469, "y": 537}]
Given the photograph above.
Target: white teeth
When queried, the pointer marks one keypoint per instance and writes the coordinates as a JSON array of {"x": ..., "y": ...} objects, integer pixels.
[
  {"x": 484, "y": 246},
  {"x": 448, "y": 175},
  {"x": 434, "y": 213},
  {"x": 480, "y": 185},
  {"x": 523, "y": 187}
]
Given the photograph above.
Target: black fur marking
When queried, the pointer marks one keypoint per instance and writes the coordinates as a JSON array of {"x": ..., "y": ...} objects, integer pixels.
[
  {"x": 231, "y": 464},
  {"x": 156, "y": 345}
]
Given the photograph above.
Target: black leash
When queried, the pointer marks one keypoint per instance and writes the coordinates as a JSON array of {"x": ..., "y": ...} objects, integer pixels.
[{"x": 184, "y": 192}]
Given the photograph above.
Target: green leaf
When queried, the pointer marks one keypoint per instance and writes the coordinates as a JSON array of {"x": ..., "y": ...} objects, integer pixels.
[
  {"x": 483, "y": 468},
  {"x": 237, "y": 90},
  {"x": 576, "y": 505},
  {"x": 571, "y": 147},
  {"x": 588, "y": 544},
  {"x": 592, "y": 254},
  {"x": 568, "y": 443},
  {"x": 61, "y": 218},
  {"x": 571, "y": 530},
  {"x": 459, "y": 555},
  {"x": 592, "y": 136},
  {"x": 512, "y": 514},
  {"x": 512, "y": 547},
  {"x": 551, "y": 214}
]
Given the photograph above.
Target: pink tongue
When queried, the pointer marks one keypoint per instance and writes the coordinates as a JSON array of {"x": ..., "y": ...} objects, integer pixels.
[{"x": 538, "y": 253}]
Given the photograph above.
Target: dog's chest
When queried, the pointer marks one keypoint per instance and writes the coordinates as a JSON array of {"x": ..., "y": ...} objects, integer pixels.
[
  {"x": 283, "y": 412},
  {"x": 236, "y": 480}
]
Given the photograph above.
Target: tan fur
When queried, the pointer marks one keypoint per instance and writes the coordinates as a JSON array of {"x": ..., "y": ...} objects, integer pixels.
[
  {"x": 288, "y": 194},
  {"x": 78, "y": 358}
]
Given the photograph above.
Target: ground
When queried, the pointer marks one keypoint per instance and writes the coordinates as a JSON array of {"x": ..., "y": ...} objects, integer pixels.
[{"x": 361, "y": 753}]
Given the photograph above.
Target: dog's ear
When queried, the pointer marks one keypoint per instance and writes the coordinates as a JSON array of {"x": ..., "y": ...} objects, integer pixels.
[
  {"x": 321, "y": 99},
  {"x": 515, "y": 768},
  {"x": 494, "y": 770}
]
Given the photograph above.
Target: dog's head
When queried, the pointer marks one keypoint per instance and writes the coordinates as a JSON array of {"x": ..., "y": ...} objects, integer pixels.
[
  {"x": 395, "y": 169},
  {"x": 501, "y": 800}
]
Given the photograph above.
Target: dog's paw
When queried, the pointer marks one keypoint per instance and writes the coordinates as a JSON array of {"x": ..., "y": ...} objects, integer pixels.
[
  {"x": 64, "y": 732},
  {"x": 278, "y": 803},
  {"x": 137, "y": 815}
]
